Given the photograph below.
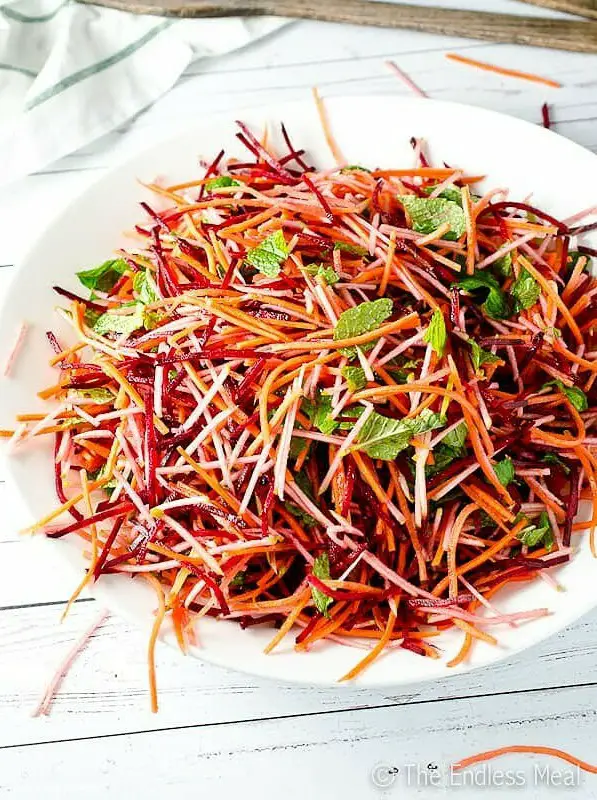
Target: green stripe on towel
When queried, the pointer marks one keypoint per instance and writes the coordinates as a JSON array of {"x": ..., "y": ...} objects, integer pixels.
[
  {"x": 10, "y": 13},
  {"x": 94, "y": 69}
]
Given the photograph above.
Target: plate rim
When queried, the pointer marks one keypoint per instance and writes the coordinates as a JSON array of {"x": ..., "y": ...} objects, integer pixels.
[{"x": 218, "y": 119}]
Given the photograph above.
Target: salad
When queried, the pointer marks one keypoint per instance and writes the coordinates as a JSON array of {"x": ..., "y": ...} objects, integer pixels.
[{"x": 350, "y": 404}]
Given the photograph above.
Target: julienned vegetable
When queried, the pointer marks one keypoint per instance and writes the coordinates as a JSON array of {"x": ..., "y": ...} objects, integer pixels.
[{"x": 352, "y": 405}]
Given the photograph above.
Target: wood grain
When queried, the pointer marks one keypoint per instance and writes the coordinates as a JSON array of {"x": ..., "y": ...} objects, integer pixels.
[
  {"x": 106, "y": 690},
  {"x": 573, "y": 35},
  {"x": 584, "y": 8}
]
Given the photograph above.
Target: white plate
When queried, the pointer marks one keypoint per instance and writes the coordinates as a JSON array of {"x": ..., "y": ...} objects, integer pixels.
[{"x": 374, "y": 132}]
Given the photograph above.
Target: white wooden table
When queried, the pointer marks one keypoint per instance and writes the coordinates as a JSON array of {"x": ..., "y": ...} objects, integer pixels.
[{"x": 223, "y": 732}]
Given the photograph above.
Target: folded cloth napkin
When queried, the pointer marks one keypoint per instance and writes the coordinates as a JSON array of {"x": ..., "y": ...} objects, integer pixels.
[{"x": 70, "y": 73}]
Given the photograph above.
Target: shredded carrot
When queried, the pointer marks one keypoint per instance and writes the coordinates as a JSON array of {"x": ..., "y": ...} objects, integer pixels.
[
  {"x": 332, "y": 407},
  {"x": 488, "y": 755},
  {"x": 155, "y": 630},
  {"x": 510, "y": 73},
  {"x": 372, "y": 655},
  {"x": 327, "y": 129}
]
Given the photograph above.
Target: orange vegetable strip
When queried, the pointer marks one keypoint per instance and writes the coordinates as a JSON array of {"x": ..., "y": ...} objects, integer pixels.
[
  {"x": 155, "y": 630},
  {"x": 523, "y": 748},
  {"x": 372, "y": 654},
  {"x": 509, "y": 73},
  {"x": 327, "y": 129}
]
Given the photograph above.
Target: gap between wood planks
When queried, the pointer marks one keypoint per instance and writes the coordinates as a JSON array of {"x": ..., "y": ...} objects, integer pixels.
[
  {"x": 306, "y": 715},
  {"x": 322, "y": 61}
]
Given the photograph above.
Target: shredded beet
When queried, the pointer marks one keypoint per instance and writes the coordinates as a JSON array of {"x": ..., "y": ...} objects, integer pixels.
[{"x": 334, "y": 413}]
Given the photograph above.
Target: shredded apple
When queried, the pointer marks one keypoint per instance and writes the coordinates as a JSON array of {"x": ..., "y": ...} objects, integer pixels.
[{"x": 351, "y": 405}]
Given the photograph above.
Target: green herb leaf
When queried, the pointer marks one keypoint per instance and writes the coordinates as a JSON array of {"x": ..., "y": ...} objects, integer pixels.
[
  {"x": 382, "y": 437},
  {"x": 355, "y": 378},
  {"x": 120, "y": 323},
  {"x": 239, "y": 579},
  {"x": 319, "y": 412},
  {"x": 484, "y": 286},
  {"x": 297, "y": 512},
  {"x": 329, "y": 275},
  {"x": 104, "y": 276},
  {"x": 427, "y": 214},
  {"x": 354, "y": 249},
  {"x": 555, "y": 461},
  {"x": 352, "y": 167},
  {"x": 457, "y": 438},
  {"x": 538, "y": 534},
  {"x": 573, "y": 257},
  {"x": 321, "y": 570},
  {"x": 480, "y": 356},
  {"x": 503, "y": 266},
  {"x": 220, "y": 183},
  {"x": 451, "y": 447},
  {"x": 99, "y": 396},
  {"x": 576, "y": 396},
  {"x": 361, "y": 319},
  {"x": 144, "y": 285},
  {"x": 505, "y": 471},
  {"x": 297, "y": 445},
  {"x": 452, "y": 193},
  {"x": 525, "y": 290},
  {"x": 436, "y": 335},
  {"x": 101, "y": 473},
  {"x": 268, "y": 256},
  {"x": 302, "y": 481}
]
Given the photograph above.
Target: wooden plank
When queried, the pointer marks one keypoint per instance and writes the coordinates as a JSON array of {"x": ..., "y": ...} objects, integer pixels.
[
  {"x": 106, "y": 690},
  {"x": 337, "y": 754},
  {"x": 564, "y": 34},
  {"x": 586, "y": 8}
]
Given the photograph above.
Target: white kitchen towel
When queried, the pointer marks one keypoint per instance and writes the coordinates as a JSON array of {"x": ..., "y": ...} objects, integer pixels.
[{"x": 70, "y": 73}]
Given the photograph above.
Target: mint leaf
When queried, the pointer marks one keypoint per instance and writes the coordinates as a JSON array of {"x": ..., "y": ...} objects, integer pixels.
[
  {"x": 354, "y": 249},
  {"x": 355, "y": 378},
  {"x": 302, "y": 481},
  {"x": 538, "y": 534},
  {"x": 101, "y": 473},
  {"x": 572, "y": 261},
  {"x": 451, "y": 447},
  {"x": 361, "y": 319},
  {"x": 486, "y": 290},
  {"x": 319, "y": 412},
  {"x": 352, "y": 167},
  {"x": 297, "y": 512},
  {"x": 239, "y": 579},
  {"x": 220, "y": 183},
  {"x": 480, "y": 356},
  {"x": 268, "y": 256},
  {"x": 297, "y": 445},
  {"x": 436, "y": 335},
  {"x": 457, "y": 438},
  {"x": 427, "y": 214},
  {"x": 91, "y": 316},
  {"x": 99, "y": 396},
  {"x": 383, "y": 437},
  {"x": 329, "y": 275},
  {"x": 576, "y": 396},
  {"x": 120, "y": 323},
  {"x": 449, "y": 193},
  {"x": 104, "y": 276},
  {"x": 555, "y": 461},
  {"x": 525, "y": 290},
  {"x": 145, "y": 287},
  {"x": 321, "y": 570},
  {"x": 503, "y": 266},
  {"x": 505, "y": 471}
]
